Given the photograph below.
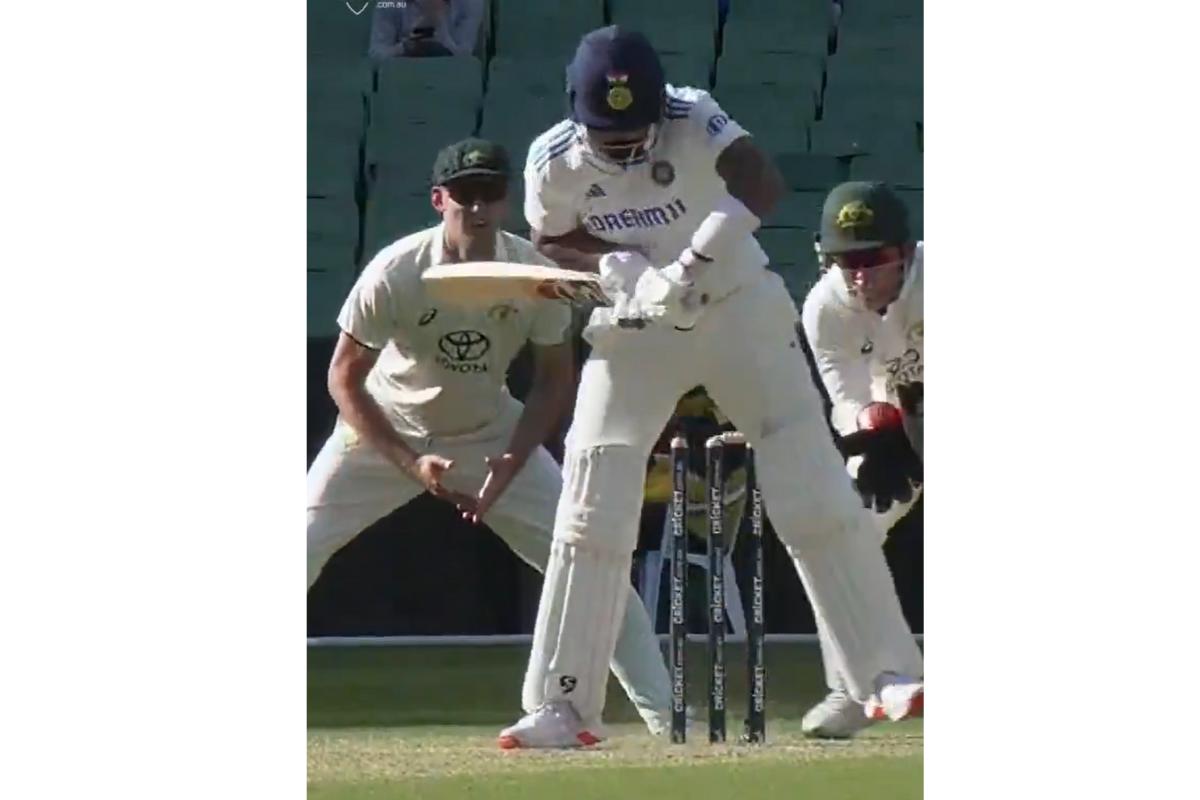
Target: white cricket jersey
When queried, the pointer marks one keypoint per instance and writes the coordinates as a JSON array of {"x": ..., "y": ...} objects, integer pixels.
[
  {"x": 655, "y": 202},
  {"x": 862, "y": 356},
  {"x": 442, "y": 368}
]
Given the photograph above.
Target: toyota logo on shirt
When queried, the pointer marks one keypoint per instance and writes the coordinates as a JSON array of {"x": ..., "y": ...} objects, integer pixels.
[{"x": 464, "y": 345}]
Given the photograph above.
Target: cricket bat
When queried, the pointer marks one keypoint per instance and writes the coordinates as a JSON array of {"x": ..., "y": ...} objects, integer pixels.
[{"x": 482, "y": 283}]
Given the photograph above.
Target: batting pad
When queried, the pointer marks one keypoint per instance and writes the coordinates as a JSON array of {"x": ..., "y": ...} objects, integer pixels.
[{"x": 584, "y": 599}]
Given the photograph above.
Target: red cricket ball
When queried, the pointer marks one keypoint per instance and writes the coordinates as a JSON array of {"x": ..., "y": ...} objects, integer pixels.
[{"x": 880, "y": 416}]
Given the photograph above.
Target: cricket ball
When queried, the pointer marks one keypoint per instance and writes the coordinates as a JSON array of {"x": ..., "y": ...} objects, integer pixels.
[{"x": 879, "y": 416}]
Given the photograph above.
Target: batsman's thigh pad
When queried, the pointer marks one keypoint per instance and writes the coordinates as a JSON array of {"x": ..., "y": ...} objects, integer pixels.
[
  {"x": 629, "y": 388},
  {"x": 754, "y": 367}
]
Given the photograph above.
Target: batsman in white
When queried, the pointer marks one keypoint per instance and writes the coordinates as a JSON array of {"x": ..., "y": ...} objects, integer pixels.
[
  {"x": 865, "y": 325},
  {"x": 420, "y": 387},
  {"x": 658, "y": 190}
]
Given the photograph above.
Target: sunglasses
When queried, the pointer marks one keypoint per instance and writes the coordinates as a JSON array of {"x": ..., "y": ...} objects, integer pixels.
[
  {"x": 865, "y": 259},
  {"x": 465, "y": 193}
]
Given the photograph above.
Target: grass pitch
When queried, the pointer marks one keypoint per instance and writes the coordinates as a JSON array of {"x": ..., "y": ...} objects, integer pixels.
[{"x": 422, "y": 723}]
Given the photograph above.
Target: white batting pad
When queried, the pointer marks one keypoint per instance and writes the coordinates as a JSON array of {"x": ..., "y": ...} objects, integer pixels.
[{"x": 584, "y": 598}]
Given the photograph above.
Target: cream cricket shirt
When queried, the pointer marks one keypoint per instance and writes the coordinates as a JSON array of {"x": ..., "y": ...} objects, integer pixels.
[
  {"x": 441, "y": 370},
  {"x": 862, "y": 356}
]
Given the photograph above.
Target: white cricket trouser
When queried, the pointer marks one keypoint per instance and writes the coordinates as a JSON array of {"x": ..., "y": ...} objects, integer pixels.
[
  {"x": 744, "y": 350},
  {"x": 351, "y": 485},
  {"x": 884, "y": 521}
]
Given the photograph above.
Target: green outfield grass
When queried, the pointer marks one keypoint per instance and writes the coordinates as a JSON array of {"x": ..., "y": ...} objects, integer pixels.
[{"x": 422, "y": 722}]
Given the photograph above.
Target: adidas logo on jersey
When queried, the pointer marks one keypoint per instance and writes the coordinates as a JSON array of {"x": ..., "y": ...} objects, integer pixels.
[{"x": 595, "y": 191}]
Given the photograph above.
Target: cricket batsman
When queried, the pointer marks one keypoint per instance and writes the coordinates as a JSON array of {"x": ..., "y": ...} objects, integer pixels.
[
  {"x": 655, "y": 188},
  {"x": 423, "y": 407},
  {"x": 865, "y": 325}
]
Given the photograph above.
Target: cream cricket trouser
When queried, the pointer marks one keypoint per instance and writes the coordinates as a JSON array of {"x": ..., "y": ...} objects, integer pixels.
[
  {"x": 744, "y": 350},
  {"x": 350, "y": 486},
  {"x": 883, "y": 523}
]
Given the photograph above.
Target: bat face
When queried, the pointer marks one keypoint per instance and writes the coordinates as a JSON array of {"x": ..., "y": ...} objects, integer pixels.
[{"x": 481, "y": 283}]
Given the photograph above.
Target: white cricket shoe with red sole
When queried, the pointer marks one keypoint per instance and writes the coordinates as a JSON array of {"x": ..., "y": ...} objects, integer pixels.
[
  {"x": 838, "y": 716},
  {"x": 896, "y": 697},
  {"x": 554, "y": 725}
]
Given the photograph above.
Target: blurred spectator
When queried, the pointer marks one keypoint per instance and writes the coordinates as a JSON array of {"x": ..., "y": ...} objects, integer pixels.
[{"x": 417, "y": 28}]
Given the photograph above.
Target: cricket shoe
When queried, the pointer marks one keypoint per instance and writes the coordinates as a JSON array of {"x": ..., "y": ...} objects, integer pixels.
[
  {"x": 896, "y": 697},
  {"x": 838, "y": 716},
  {"x": 553, "y": 725}
]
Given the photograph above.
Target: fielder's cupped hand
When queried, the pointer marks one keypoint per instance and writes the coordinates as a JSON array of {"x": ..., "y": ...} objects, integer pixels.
[
  {"x": 501, "y": 470},
  {"x": 429, "y": 470}
]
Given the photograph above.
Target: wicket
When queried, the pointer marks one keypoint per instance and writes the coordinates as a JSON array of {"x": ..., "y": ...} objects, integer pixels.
[{"x": 755, "y": 727}]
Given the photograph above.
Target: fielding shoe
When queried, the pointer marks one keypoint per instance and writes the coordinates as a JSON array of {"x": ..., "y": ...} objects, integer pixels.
[
  {"x": 838, "y": 716},
  {"x": 896, "y": 697},
  {"x": 553, "y": 725}
]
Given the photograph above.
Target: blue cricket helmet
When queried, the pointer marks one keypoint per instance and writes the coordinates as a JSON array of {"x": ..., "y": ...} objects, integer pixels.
[{"x": 616, "y": 81}]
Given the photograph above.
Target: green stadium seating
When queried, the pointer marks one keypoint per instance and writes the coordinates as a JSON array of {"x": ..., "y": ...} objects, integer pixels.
[
  {"x": 868, "y": 133},
  {"x": 414, "y": 143},
  {"x": 337, "y": 93},
  {"x": 901, "y": 172},
  {"x": 392, "y": 214},
  {"x": 811, "y": 171},
  {"x": 790, "y": 82},
  {"x": 688, "y": 70},
  {"x": 335, "y": 30},
  {"x": 778, "y": 26},
  {"x": 515, "y": 121},
  {"x": 905, "y": 37},
  {"x": 776, "y": 127},
  {"x": 527, "y": 76},
  {"x": 333, "y": 220},
  {"x": 672, "y": 26},
  {"x": 332, "y": 166},
  {"x": 880, "y": 13},
  {"x": 915, "y": 201},
  {"x": 421, "y": 105},
  {"x": 791, "y": 255},
  {"x": 783, "y": 69},
  {"x": 339, "y": 75},
  {"x": 787, "y": 245},
  {"x": 431, "y": 78},
  {"x": 327, "y": 292},
  {"x": 798, "y": 210},
  {"x": 878, "y": 70},
  {"x": 514, "y": 220},
  {"x": 551, "y": 29},
  {"x": 331, "y": 257},
  {"x": 898, "y": 102},
  {"x": 428, "y": 89},
  {"x": 337, "y": 97}
]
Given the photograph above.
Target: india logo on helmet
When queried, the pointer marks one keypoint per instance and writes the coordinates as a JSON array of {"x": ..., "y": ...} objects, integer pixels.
[{"x": 619, "y": 96}]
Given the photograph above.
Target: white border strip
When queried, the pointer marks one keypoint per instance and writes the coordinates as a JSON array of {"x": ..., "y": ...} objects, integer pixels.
[{"x": 519, "y": 638}]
